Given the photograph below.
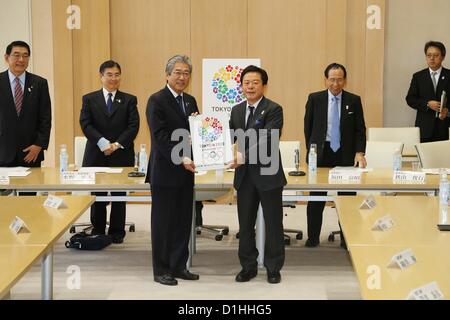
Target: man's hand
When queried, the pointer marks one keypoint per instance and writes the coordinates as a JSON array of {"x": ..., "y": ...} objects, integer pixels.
[
  {"x": 189, "y": 164},
  {"x": 443, "y": 114},
  {"x": 360, "y": 160},
  {"x": 33, "y": 153},
  {"x": 236, "y": 162},
  {"x": 435, "y": 105},
  {"x": 109, "y": 151}
]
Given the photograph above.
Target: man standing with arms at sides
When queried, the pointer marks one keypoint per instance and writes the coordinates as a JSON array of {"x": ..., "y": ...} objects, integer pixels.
[
  {"x": 253, "y": 185},
  {"x": 334, "y": 121},
  {"x": 110, "y": 121},
  {"x": 171, "y": 184},
  {"x": 25, "y": 111},
  {"x": 425, "y": 92}
]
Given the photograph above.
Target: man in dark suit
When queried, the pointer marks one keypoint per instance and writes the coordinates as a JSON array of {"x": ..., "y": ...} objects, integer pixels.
[
  {"x": 110, "y": 121},
  {"x": 256, "y": 116},
  {"x": 425, "y": 92},
  {"x": 171, "y": 175},
  {"x": 25, "y": 111},
  {"x": 334, "y": 121}
]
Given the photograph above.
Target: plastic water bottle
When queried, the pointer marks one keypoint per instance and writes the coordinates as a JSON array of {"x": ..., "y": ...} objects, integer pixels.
[
  {"x": 143, "y": 159},
  {"x": 63, "y": 158},
  {"x": 397, "y": 160},
  {"x": 312, "y": 159},
  {"x": 443, "y": 187}
]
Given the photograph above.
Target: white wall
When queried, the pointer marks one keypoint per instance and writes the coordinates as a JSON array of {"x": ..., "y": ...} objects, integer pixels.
[
  {"x": 15, "y": 24},
  {"x": 409, "y": 25}
]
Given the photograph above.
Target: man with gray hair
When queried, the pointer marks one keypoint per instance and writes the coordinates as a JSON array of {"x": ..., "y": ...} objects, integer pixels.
[{"x": 171, "y": 181}]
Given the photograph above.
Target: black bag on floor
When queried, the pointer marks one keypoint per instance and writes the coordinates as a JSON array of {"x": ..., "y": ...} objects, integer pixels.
[{"x": 84, "y": 241}]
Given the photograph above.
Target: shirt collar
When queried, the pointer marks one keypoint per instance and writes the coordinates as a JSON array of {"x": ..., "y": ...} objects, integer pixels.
[
  {"x": 255, "y": 104},
  {"x": 438, "y": 71},
  {"x": 12, "y": 77},
  {"x": 330, "y": 96},
  {"x": 175, "y": 95},
  {"x": 105, "y": 94}
]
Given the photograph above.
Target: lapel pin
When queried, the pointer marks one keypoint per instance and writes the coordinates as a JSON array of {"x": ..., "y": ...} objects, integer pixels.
[
  {"x": 443, "y": 77},
  {"x": 30, "y": 88},
  {"x": 262, "y": 112},
  {"x": 118, "y": 100},
  {"x": 346, "y": 107}
]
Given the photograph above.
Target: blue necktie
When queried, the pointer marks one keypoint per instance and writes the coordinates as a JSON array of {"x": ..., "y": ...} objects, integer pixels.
[
  {"x": 335, "y": 133},
  {"x": 180, "y": 103},
  {"x": 109, "y": 103},
  {"x": 250, "y": 117}
]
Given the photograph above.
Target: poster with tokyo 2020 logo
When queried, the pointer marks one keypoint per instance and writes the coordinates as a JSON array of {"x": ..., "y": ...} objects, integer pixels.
[
  {"x": 211, "y": 141},
  {"x": 222, "y": 84}
]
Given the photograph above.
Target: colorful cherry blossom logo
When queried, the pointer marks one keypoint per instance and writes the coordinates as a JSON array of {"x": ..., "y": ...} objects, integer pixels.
[
  {"x": 211, "y": 129},
  {"x": 226, "y": 85}
]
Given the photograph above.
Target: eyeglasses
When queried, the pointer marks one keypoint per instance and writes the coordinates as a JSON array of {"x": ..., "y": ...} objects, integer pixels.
[
  {"x": 178, "y": 74},
  {"x": 17, "y": 56},
  {"x": 111, "y": 75},
  {"x": 437, "y": 55}
]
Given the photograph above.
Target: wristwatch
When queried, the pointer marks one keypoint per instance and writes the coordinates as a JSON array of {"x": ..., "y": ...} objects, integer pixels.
[{"x": 118, "y": 146}]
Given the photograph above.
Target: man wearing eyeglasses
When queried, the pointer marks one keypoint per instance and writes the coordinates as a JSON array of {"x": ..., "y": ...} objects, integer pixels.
[
  {"x": 425, "y": 94},
  {"x": 110, "y": 121},
  {"x": 171, "y": 180},
  {"x": 25, "y": 111}
]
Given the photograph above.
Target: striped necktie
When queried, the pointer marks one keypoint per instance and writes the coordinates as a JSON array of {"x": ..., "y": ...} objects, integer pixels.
[{"x": 18, "y": 96}]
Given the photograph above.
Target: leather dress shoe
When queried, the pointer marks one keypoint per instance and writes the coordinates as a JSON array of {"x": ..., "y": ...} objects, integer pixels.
[
  {"x": 274, "y": 277},
  {"x": 311, "y": 243},
  {"x": 166, "y": 279},
  {"x": 246, "y": 275},
  {"x": 117, "y": 238},
  {"x": 343, "y": 245},
  {"x": 186, "y": 275},
  {"x": 96, "y": 232}
]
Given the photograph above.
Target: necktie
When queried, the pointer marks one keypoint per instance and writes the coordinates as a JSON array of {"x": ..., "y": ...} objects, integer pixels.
[
  {"x": 109, "y": 103},
  {"x": 335, "y": 133},
  {"x": 18, "y": 96},
  {"x": 250, "y": 117},
  {"x": 433, "y": 77},
  {"x": 180, "y": 103}
]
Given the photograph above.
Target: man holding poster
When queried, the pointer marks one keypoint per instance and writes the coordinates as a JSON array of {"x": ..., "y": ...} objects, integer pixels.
[{"x": 259, "y": 176}]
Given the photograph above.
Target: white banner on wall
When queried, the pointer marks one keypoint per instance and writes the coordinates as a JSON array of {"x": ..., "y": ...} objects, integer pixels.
[{"x": 222, "y": 84}]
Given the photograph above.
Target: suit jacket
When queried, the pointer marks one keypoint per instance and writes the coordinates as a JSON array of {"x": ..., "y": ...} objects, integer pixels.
[
  {"x": 420, "y": 92},
  {"x": 164, "y": 116},
  {"x": 33, "y": 124},
  {"x": 268, "y": 115},
  {"x": 352, "y": 126},
  {"x": 121, "y": 125}
]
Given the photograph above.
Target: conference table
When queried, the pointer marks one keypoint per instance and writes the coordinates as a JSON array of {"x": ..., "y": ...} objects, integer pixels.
[
  {"x": 378, "y": 180},
  {"x": 44, "y": 226},
  {"x": 415, "y": 227}
]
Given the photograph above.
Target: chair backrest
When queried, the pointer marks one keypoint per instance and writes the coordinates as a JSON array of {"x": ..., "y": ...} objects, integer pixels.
[
  {"x": 410, "y": 136},
  {"x": 379, "y": 154},
  {"x": 80, "y": 145},
  {"x": 434, "y": 154},
  {"x": 287, "y": 150}
]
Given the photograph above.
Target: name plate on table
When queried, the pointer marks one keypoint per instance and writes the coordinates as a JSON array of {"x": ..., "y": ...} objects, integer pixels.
[
  {"x": 430, "y": 291},
  {"x": 409, "y": 177},
  {"x": 76, "y": 176},
  {"x": 368, "y": 203},
  {"x": 383, "y": 224},
  {"x": 403, "y": 260},
  {"x": 54, "y": 202},
  {"x": 4, "y": 180},
  {"x": 18, "y": 225},
  {"x": 345, "y": 176}
]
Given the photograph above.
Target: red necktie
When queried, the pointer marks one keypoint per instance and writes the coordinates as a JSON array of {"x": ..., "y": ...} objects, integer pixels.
[{"x": 18, "y": 96}]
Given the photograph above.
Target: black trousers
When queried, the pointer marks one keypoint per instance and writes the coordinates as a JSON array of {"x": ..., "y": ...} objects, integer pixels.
[
  {"x": 248, "y": 199},
  {"x": 440, "y": 131},
  {"x": 171, "y": 224},
  {"x": 116, "y": 219},
  {"x": 314, "y": 209}
]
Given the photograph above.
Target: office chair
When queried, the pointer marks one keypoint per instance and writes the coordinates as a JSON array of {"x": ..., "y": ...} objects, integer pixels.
[
  {"x": 218, "y": 231},
  {"x": 410, "y": 136},
  {"x": 80, "y": 145},
  {"x": 289, "y": 159},
  {"x": 434, "y": 154},
  {"x": 378, "y": 155}
]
